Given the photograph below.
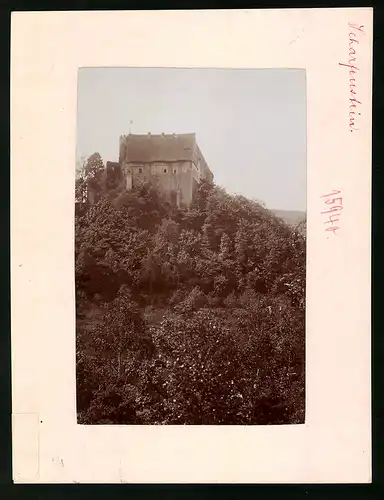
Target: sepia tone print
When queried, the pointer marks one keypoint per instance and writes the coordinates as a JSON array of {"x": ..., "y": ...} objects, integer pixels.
[
  {"x": 190, "y": 297},
  {"x": 173, "y": 164}
]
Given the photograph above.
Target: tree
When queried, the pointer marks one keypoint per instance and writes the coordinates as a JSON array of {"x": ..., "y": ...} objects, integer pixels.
[
  {"x": 89, "y": 182},
  {"x": 80, "y": 190},
  {"x": 94, "y": 167},
  {"x": 94, "y": 177},
  {"x": 113, "y": 380},
  {"x": 188, "y": 315},
  {"x": 122, "y": 329},
  {"x": 80, "y": 183}
]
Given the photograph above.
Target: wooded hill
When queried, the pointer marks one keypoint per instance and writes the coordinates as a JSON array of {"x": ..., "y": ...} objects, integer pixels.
[
  {"x": 187, "y": 316},
  {"x": 292, "y": 217}
]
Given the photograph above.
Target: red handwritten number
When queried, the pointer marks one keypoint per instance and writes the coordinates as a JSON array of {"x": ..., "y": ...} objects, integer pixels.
[
  {"x": 334, "y": 207},
  {"x": 333, "y": 229},
  {"x": 330, "y": 194},
  {"x": 334, "y": 200},
  {"x": 331, "y": 220}
]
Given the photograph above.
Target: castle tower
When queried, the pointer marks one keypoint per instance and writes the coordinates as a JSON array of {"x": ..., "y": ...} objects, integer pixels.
[{"x": 172, "y": 163}]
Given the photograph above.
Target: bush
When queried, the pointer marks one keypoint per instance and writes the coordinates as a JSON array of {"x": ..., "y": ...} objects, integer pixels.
[{"x": 201, "y": 312}]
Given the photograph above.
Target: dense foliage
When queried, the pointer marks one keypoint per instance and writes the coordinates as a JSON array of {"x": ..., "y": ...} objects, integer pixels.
[{"x": 188, "y": 316}]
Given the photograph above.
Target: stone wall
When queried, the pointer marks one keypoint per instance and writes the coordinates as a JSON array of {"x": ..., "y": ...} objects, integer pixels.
[
  {"x": 174, "y": 179},
  {"x": 178, "y": 174}
]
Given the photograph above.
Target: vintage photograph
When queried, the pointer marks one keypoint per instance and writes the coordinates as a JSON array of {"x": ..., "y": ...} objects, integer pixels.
[{"x": 190, "y": 246}]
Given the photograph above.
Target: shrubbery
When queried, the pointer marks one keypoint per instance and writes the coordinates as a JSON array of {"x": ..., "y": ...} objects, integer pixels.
[{"x": 189, "y": 316}]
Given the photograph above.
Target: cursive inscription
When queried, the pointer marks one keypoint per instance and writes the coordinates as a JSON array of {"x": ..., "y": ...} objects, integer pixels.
[
  {"x": 355, "y": 32},
  {"x": 332, "y": 211}
]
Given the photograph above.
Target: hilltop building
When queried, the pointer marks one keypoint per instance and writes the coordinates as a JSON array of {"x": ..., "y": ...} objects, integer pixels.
[{"x": 172, "y": 163}]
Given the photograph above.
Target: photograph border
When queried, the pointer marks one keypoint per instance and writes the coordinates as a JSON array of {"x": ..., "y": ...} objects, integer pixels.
[
  {"x": 39, "y": 410},
  {"x": 274, "y": 213}
]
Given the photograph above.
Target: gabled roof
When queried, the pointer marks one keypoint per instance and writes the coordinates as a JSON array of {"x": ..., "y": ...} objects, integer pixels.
[{"x": 167, "y": 147}]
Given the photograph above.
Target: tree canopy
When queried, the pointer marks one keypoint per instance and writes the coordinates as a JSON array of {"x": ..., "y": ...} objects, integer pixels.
[{"x": 188, "y": 316}]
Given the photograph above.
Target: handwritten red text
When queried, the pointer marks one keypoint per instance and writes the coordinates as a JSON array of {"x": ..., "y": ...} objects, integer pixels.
[
  {"x": 332, "y": 208},
  {"x": 355, "y": 32}
]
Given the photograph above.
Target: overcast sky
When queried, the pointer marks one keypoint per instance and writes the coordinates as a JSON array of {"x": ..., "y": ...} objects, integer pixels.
[{"x": 250, "y": 124}]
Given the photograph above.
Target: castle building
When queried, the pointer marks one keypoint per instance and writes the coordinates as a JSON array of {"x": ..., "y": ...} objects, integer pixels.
[{"x": 172, "y": 163}]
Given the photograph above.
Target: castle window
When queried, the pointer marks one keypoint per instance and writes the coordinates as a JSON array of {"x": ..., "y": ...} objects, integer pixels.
[
  {"x": 174, "y": 171},
  {"x": 165, "y": 170},
  {"x": 140, "y": 170}
]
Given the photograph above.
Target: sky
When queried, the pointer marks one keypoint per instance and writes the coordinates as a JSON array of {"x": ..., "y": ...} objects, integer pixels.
[{"x": 250, "y": 125}]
